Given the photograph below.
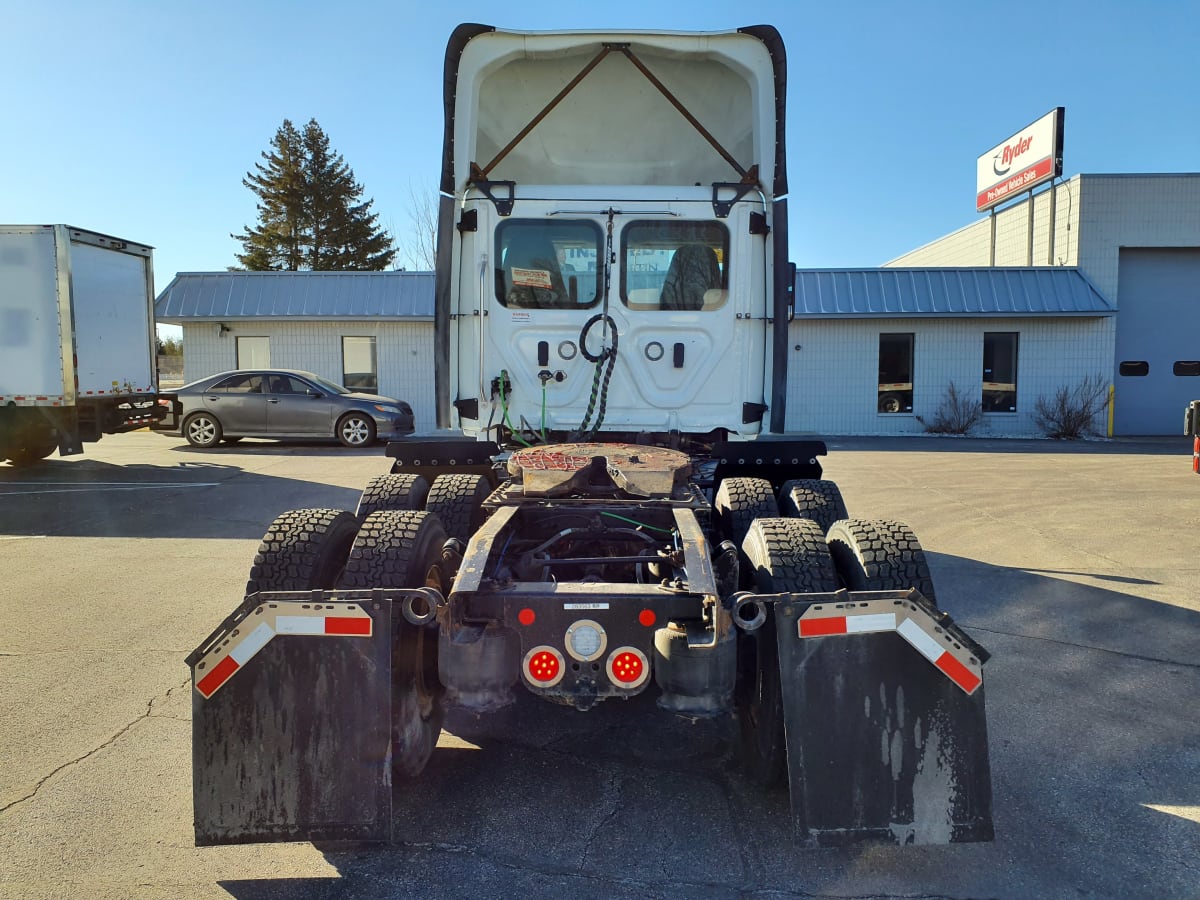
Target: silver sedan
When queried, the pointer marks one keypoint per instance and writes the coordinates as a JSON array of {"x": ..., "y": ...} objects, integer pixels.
[{"x": 282, "y": 403}]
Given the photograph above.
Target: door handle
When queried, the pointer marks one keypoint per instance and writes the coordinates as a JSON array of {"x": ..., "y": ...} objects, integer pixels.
[{"x": 272, "y": 399}]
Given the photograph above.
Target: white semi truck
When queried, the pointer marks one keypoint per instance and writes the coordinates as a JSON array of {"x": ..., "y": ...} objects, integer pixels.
[
  {"x": 77, "y": 341},
  {"x": 613, "y": 505}
]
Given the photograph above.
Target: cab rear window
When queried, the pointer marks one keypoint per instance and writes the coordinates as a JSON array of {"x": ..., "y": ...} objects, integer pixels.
[
  {"x": 675, "y": 265},
  {"x": 548, "y": 264}
]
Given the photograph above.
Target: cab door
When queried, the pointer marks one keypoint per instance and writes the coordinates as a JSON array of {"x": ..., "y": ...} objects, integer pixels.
[{"x": 685, "y": 311}]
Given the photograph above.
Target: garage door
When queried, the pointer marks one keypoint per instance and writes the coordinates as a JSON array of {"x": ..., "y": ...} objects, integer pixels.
[{"x": 1158, "y": 339}]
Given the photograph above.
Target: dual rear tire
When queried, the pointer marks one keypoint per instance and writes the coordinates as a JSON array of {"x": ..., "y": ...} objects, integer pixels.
[
  {"x": 320, "y": 549},
  {"x": 801, "y": 554}
]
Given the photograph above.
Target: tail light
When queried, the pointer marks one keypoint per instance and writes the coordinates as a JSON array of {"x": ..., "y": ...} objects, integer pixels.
[
  {"x": 544, "y": 666},
  {"x": 628, "y": 667}
]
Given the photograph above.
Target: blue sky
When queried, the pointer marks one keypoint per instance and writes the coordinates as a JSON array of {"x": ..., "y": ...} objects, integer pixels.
[{"x": 139, "y": 119}]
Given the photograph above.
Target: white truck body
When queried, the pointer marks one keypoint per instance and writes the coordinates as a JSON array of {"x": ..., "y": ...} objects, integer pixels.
[{"x": 77, "y": 336}]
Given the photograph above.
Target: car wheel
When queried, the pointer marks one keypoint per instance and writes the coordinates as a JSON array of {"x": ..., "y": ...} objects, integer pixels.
[
  {"x": 202, "y": 430},
  {"x": 356, "y": 430}
]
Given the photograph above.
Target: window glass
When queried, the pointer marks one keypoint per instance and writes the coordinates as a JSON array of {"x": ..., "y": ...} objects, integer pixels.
[
  {"x": 547, "y": 264},
  {"x": 285, "y": 384},
  {"x": 895, "y": 373},
  {"x": 1134, "y": 368},
  {"x": 360, "y": 366},
  {"x": 253, "y": 352},
  {"x": 675, "y": 265},
  {"x": 1186, "y": 367},
  {"x": 240, "y": 384},
  {"x": 1000, "y": 371}
]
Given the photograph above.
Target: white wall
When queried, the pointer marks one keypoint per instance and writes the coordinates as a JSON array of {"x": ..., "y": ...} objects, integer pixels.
[
  {"x": 971, "y": 245},
  {"x": 404, "y": 349},
  {"x": 833, "y": 377}
]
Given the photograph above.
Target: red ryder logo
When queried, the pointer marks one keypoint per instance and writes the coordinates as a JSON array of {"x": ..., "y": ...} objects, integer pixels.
[{"x": 1010, "y": 152}]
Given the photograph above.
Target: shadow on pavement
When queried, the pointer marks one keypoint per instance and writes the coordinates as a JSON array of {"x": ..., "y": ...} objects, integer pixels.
[
  {"x": 1090, "y": 696},
  {"x": 203, "y": 498}
]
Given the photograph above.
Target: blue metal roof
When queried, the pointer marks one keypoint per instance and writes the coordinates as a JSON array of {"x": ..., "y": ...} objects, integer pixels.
[
  {"x": 986, "y": 292},
  {"x": 296, "y": 295}
]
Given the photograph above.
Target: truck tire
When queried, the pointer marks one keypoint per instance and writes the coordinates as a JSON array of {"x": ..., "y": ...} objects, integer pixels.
[
  {"x": 202, "y": 430},
  {"x": 356, "y": 430},
  {"x": 392, "y": 492},
  {"x": 303, "y": 550},
  {"x": 879, "y": 555},
  {"x": 785, "y": 555},
  {"x": 33, "y": 449},
  {"x": 739, "y": 502},
  {"x": 811, "y": 498},
  {"x": 457, "y": 500},
  {"x": 403, "y": 548}
]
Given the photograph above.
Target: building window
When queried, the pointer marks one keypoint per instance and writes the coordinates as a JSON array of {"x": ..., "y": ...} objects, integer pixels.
[
  {"x": 1000, "y": 371},
  {"x": 1134, "y": 368},
  {"x": 253, "y": 352},
  {"x": 360, "y": 366},
  {"x": 1187, "y": 367},
  {"x": 674, "y": 265},
  {"x": 895, "y": 373}
]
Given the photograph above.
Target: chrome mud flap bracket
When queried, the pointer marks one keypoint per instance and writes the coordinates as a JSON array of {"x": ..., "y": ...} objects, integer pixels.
[
  {"x": 884, "y": 720},
  {"x": 291, "y": 719}
]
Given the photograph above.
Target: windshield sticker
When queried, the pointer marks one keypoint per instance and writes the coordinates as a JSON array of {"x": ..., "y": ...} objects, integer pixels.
[{"x": 535, "y": 278}]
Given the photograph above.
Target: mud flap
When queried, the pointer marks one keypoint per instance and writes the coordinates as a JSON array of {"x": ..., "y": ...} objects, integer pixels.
[
  {"x": 291, "y": 719},
  {"x": 883, "y": 720}
]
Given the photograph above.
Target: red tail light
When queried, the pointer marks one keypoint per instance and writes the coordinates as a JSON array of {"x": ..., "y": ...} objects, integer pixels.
[
  {"x": 628, "y": 667},
  {"x": 544, "y": 666}
]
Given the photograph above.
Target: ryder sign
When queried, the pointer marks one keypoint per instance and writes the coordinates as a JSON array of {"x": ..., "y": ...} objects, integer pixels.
[{"x": 1029, "y": 157}]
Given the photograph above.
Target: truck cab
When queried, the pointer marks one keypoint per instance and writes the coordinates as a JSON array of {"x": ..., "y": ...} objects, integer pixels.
[{"x": 610, "y": 223}]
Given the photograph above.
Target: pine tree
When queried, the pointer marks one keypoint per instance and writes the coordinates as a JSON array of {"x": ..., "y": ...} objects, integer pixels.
[{"x": 311, "y": 214}]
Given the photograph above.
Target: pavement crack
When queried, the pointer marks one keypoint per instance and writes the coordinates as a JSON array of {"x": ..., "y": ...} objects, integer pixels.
[
  {"x": 1049, "y": 640},
  {"x": 121, "y": 732},
  {"x": 612, "y": 797}
]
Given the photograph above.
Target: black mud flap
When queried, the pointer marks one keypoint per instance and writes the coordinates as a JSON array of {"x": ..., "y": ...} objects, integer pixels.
[
  {"x": 291, "y": 720},
  {"x": 884, "y": 721}
]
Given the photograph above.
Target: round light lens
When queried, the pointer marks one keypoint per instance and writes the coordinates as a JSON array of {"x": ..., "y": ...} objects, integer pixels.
[
  {"x": 544, "y": 666},
  {"x": 585, "y": 641},
  {"x": 627, "y": 668}
]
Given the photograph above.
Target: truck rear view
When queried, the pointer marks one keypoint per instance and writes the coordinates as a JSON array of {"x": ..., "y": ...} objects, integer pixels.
[
  {"x": 613, "y": 505},
  {"x": 77, "y": 343}
]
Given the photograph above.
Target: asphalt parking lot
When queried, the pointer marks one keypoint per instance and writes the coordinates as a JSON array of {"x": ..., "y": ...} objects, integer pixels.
[{"x": 1075, "y": 565}]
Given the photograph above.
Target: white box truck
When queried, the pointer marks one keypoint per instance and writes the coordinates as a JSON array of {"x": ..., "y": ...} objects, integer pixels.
[{"x": 77, "y": 342}]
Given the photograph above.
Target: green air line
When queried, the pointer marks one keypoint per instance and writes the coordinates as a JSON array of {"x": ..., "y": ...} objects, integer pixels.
[
  {"x": 544, "y": 441},
  {"x": 507, "y": 421},
  {"x": 637, "y": 523}
]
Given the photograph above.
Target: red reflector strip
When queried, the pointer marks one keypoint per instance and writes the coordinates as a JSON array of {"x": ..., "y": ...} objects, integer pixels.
[
  {"x": 339, "y": 625},
  {"x": 870, "y": 621},
  {"x": 818, "y": 627},
  {"x": 958, "y": 673},
  {"x": 217, "y": 677},
  {"x": 269, "y": 627}
]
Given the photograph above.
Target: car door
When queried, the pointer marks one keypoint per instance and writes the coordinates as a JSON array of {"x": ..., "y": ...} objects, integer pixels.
[
  {"x": 295, "y": 407},
  {"x": 239, "y": 403}
]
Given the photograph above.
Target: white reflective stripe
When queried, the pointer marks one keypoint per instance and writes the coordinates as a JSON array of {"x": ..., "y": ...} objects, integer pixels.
[
  {"x": 915, "y": 635},
  {"x": 876, "y": 622},
  {"x": 252, "y": 643},
  {"x": 300, "y": 624}
]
